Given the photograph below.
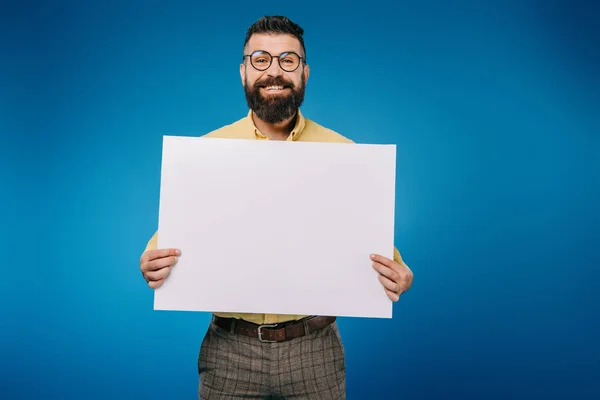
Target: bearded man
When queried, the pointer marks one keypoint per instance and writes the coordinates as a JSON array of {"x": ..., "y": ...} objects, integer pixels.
[{"x": 266, "y": 355}]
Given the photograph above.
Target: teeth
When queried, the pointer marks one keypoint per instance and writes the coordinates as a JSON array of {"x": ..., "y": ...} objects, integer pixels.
[{"x": 274, "y": 87}]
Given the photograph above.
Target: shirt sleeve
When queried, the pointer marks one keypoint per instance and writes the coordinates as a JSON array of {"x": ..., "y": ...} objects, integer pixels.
[
  {"x": 153, "y": 242},
  {"x": 397, "y": 256}
]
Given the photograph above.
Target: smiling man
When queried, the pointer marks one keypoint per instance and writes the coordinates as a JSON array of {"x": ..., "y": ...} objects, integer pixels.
[{"x": 266, "y": 355}]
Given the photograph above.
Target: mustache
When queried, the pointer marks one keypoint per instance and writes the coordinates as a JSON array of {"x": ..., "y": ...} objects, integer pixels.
[{"x": 273, "y": 81}]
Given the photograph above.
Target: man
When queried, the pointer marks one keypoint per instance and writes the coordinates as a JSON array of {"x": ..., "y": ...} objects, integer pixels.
[{"x": 258, "y": 355}]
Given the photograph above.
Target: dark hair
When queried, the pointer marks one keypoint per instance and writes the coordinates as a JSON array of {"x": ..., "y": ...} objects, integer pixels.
[{"x": 279, "y": 25}]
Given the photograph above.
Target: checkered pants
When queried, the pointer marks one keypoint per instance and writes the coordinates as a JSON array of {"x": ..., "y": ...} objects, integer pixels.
[{"x": 309, "y": 367}]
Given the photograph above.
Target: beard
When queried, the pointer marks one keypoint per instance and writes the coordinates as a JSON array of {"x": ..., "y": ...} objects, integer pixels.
[{"x": 275, "y": 108}]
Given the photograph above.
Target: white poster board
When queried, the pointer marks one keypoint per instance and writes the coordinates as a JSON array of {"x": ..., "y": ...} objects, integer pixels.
[{"x": 276, "y": 227}]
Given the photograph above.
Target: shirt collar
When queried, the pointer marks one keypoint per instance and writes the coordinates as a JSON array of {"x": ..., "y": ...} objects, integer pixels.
[{"x": 295, "y": 134}]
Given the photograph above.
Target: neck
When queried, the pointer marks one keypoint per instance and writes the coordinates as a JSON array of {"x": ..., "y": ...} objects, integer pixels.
[{"x": 275, "y": 131}]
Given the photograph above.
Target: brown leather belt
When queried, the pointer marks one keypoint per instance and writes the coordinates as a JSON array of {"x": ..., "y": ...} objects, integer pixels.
[{"x": 274, "y": 332}]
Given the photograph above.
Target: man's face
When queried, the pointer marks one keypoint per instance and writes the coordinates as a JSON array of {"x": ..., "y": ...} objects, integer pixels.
[{"x": 274, "y": 94}]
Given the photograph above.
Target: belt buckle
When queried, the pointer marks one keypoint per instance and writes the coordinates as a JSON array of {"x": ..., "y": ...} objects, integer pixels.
[{"x": 260, "y": 327}]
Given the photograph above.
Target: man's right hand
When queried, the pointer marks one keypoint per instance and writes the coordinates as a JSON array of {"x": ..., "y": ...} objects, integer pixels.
[{"x": 156, "y": 265}]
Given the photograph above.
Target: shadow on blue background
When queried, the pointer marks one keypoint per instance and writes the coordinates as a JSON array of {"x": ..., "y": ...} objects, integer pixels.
[{"x": 495, "y": 111}]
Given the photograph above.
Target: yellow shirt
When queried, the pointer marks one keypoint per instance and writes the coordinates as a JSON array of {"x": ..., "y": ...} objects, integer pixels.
[{"x": 304, "y": 130}]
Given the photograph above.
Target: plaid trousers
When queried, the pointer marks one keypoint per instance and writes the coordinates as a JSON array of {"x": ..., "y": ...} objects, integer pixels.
[{"x": 235, "y": 366}]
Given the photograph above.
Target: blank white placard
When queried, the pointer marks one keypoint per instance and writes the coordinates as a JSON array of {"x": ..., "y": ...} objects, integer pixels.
[{"x": 276, "y": 227}]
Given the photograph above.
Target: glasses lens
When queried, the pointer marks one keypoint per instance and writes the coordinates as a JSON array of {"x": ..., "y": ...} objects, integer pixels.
[
  {"x": 289, "y": 61},
  {"x": 261, "y": 60}
]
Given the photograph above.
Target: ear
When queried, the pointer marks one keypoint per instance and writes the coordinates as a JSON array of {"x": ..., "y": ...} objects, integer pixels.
[
  {"x": 242, "y": 71},
  {"x": 306, "y": 73}
]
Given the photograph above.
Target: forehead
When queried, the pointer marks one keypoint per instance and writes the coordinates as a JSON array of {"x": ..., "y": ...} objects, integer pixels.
[{"x": 274, "y": 43}]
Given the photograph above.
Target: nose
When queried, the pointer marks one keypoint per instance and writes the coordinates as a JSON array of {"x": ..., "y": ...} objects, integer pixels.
[{"x": 275, "y": 69}]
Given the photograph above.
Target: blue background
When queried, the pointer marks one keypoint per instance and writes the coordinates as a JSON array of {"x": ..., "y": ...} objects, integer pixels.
[{"x": 494, "y": 107}]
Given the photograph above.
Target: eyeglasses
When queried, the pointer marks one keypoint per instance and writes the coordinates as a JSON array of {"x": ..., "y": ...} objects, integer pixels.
[{"x": 262, "y": 60}]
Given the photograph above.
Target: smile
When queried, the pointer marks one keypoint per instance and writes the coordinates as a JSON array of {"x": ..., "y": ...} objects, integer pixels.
[{"x": 274, "y": 88}]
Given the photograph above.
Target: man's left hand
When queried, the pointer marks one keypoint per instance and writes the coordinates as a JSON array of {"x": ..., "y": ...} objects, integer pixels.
[{"x": 395, "y": 277}]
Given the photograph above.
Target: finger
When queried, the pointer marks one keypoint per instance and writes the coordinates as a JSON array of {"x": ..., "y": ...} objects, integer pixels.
[
  {"x": 391, "y": 295},
  {"x": 382, "y": 260},
  {"x": 158, "y": 275},
  {"x": 155, "y": 284},
  {"x": 386, "y": 271},
  {"x": 160, "y": 253},
  {"x": 159, "y": 263},
  {"x": 390, "y": 285}
]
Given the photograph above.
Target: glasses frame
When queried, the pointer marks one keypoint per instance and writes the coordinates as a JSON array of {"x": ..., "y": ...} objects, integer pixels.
[{"x": 302, "y": 60}]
